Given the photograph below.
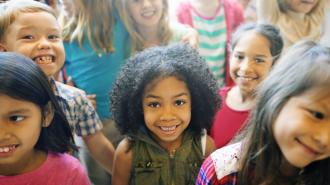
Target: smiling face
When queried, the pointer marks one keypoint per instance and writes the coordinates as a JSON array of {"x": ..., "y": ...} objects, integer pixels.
[
  {"x": 251, "y": 61},
  {"x": 146, "y": 13},
  {"x": 37, "y": 36},
  {"x": 20, "y": 126},
  {"x": 301, "y": 6},
  {"x": 167, "y": 110},
  {"x": 302, "y": 128}
]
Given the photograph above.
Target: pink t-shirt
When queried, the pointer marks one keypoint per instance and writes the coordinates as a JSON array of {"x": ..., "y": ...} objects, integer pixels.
[
  {"x": 227, "y": 121},
  {"x": 58, "y": 169}
]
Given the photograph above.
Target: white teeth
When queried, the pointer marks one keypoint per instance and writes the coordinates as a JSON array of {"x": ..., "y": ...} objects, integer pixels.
[
  {"x": 6, "y": 149},
  {"x": 44, "y": 60},
  {"x": 167, "y": 129},
  {"x": 246, "y": 78},
  {"x": 148, "y": 13}
]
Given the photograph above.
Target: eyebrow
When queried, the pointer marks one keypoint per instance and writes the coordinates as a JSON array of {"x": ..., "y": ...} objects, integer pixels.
[
  {"x": 33, "y": 28},
  {"x": 257, "y": 55},
  {"x": 262, "y": 56},
  {"x": 157, "y": 97},
  {"x": 23, "y": 110}
]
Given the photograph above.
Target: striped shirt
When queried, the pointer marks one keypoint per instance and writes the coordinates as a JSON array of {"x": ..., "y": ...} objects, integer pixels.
[{"x": 212, "y": 41}]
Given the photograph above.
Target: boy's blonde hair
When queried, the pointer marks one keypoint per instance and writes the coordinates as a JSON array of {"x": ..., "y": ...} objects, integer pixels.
[
  {"x": 11, "y": 9},
  {"x": 137, "y": 40},
  {"x": 94, "y": 20}
]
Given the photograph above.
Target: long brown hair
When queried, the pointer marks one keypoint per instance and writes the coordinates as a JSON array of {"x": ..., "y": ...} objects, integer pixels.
[
  {"x": 94, "y": 20},
  {"x": 306, "y": 65}
]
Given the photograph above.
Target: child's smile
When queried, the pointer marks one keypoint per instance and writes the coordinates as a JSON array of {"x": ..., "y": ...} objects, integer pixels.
[
  {"x": 167, "y": 110},
  {"x": 7, "y": 150},
  {"x": 40, "y": 42}
]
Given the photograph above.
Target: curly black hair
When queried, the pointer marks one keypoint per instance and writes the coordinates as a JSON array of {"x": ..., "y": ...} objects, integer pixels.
[{"x": 179, "y": 60}]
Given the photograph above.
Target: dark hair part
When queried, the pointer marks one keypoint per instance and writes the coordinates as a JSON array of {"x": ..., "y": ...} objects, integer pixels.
[
  {"x": 271, "y": 33},
  {"x": 305, "y": 66},
  {"x": 22, "y": 79},
  {"x": 177, "y": 60}
]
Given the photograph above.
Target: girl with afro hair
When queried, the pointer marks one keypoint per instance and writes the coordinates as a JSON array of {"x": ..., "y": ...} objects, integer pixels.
[{"x": 163, "y": 101}]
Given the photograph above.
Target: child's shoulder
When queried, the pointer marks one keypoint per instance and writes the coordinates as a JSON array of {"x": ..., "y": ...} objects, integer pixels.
[
  {"x": 63, "y": 159},
  {"x": 68, "y": 169},
  {"x": 63, "y": 88},
  {"x": 69, "y": 93},
  {"x": 226, "y": 159}
]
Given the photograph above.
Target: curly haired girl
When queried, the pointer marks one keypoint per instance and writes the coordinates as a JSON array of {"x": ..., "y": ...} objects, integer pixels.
[{"x": 163, "y": 100}]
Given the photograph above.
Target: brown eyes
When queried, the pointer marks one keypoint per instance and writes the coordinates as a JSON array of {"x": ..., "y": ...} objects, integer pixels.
[
  {"x": 317, "y": 115},
  {"x": 157, "y": 104},
  {"x": 16, "y": 118}
]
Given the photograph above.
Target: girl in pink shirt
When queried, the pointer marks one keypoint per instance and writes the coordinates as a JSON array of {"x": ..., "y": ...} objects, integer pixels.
[{"x": 34, "y": 133}]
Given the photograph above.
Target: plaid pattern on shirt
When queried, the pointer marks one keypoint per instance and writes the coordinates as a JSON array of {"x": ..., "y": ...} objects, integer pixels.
[
  {"x": 208, "y": 176},
  {"x": 78, "y": 110},
  {"x": 221, "y": 167}
]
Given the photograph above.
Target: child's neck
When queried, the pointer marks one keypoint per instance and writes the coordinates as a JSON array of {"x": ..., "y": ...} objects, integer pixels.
[
  {"x": 206, "y": 8},
  {"x": 150, "y": 36},
  {"x": 30, "y": 163},
  {"x": 296, "y": 16},
  {"x": 240, "y": 100}
]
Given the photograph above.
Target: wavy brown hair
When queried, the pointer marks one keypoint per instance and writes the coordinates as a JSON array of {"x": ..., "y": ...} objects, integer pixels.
[
  {"x": 305, "y": 66},
  {"x": 94, "y": 20}
]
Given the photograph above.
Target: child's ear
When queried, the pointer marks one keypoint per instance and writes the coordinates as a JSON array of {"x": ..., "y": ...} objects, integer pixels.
[
  {"x": 49, "y": 115},
  {"x": 2, "y": 48}
]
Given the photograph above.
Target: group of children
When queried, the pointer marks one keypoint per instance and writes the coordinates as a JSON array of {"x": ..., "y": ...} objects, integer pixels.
[{"x": 163, "y": 100}]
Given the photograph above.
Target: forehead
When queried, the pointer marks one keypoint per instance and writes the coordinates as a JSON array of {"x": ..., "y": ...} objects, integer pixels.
[
  {"x": 252, "y": 40},
  {"x": 38, "y": 19},
  {"x": 9, "y": 103},
  {"x": 316, "y": 95},
  {"x": 165, "y": 82}
]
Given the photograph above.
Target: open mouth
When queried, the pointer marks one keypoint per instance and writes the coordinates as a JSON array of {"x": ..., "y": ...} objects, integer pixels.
[
  {"x": 168, "y": 129},
  {"x": 7, "y": 150},
  {"x": 246, "y": 78},
  {"x": 148, "y": 14},
  {"x": 309, "y": 2},
  {"x": 44, "y": 59}
]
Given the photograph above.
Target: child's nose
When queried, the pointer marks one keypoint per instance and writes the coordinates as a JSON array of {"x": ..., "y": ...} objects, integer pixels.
[
  {"x": 43, "y": 43},
  {"x": 4, "y": 134},
  {"x": 322, "y": 137},
  {"x": 167, "y": 114},
  {"x": 146, "y": 3},
  {"x": 245, "y": 64}
]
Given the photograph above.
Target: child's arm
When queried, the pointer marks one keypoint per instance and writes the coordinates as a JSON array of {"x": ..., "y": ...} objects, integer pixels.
[
  {"x": 101, "y": 149},
  {"x": 210, "y": 146},
  {"x": 267, "y": 11},
  {"x": 191, "y": 37},
  {"x": 122, "y": 163}
]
